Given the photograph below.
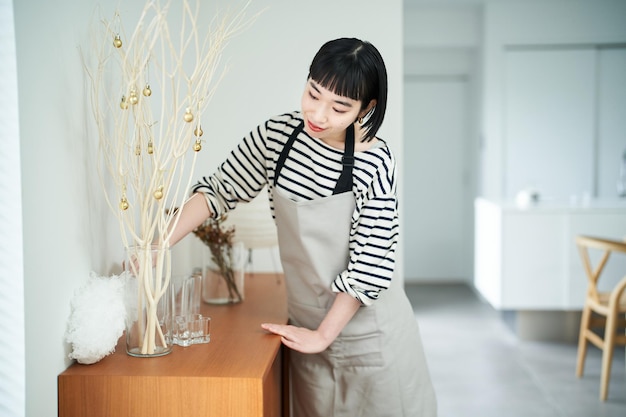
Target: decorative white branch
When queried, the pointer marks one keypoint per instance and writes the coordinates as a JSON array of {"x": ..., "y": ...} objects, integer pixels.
[{"x": 151, "y": 160}]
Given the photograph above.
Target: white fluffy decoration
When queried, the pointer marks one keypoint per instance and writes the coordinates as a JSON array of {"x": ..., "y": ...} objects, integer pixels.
[{"x": 97, "y": 318}]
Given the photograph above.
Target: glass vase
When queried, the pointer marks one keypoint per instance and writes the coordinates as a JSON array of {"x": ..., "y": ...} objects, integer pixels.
[
  {"x": 149, "y": 302},
  {"x": 223, "y": 274}
]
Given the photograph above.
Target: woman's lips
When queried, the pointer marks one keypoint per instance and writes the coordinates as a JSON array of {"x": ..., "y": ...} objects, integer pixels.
[{"x": 314, "y": 127}]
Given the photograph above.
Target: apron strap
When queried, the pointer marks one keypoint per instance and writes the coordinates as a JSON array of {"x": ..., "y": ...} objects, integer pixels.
[
  {"x": 283, "y": 155},
  {"x": 344, "y": 183}
]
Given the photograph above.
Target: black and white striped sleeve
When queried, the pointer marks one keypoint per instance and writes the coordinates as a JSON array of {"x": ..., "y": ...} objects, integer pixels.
[
  {"x": 240, "y": 177},
  {"x": 373, "y": 237}
]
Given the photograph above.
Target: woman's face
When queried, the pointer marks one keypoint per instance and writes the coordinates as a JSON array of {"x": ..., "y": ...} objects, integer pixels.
[{"x": 326, "y": 114}]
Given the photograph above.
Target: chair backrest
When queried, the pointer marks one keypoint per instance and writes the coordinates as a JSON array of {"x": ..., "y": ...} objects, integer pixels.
[
  {"x": 607, "y": 246},
  {"x": 616, "y": 295}
]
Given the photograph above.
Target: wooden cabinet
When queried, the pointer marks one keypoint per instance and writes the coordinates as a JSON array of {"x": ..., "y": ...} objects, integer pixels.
[
  {"x": 239, "y": 373},
  {"x": 526, "y": 259}
]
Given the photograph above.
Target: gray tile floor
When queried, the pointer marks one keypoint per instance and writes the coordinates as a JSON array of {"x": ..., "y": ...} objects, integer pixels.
[{"x": 480, "y": 368}]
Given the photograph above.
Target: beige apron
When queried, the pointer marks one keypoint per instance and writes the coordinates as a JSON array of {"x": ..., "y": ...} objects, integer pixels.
[{"x": 376, "y": 366}]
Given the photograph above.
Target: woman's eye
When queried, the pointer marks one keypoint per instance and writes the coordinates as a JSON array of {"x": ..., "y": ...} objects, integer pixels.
[
  {"x": 339, "y": 111},
  {"x": 312, "y": 96}
]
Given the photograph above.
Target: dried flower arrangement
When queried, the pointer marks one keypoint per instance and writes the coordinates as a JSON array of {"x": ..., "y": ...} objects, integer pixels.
[{"x": 219, "y": 240}]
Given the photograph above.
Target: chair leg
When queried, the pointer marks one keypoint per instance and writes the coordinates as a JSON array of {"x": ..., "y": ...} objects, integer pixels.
[
  {"x": 607, "y": 355},
  {"x": 582, "y": 341}
]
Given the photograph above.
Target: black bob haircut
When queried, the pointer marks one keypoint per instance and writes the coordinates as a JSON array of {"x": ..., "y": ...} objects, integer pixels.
[{"x": 354, "y": 68}]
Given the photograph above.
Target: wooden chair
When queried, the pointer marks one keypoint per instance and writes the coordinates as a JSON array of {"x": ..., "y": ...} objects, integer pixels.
[{"x": 602, "y": 310}]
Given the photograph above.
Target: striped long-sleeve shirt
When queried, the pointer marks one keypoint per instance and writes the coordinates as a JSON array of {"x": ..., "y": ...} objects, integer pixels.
[{"x": 311, "y": 171}]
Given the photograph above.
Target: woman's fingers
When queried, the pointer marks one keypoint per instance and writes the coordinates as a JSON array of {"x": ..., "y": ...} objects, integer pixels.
[
  {"x": 278, "y": 329},
  {"x": 297, "y": 338}
]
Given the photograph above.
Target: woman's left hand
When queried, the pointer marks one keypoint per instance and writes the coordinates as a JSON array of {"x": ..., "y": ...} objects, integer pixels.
[{"x": 298, "y": 338}]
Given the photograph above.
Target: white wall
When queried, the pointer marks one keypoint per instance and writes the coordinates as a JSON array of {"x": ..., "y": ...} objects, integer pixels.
[
  {"x": 436, "y": 24},
  {"x": 68, "y": 231},
  {"x": 12, "y": 360},
  {"x": 547, "y": 23}
]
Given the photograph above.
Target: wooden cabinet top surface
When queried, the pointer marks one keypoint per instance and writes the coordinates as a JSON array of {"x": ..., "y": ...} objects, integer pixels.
[{"x": 239, "y": 348}]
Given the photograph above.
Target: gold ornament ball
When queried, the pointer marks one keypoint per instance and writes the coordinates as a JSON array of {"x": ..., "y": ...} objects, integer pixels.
[
  {"x": 147, "y": 91},
  {"x": 123, "y": 103},
  {"x": 123, "y": 204},
  {"x": 188, "y": 116},
  {"x": 117, "y": 42},
  {"x": 197, "y": 146},
  {"x": 150, "y": 148},
  {"x": 158, "y": 194},
  {"x": 198, "y": 131},
  {"x": 133, "y": 99}
]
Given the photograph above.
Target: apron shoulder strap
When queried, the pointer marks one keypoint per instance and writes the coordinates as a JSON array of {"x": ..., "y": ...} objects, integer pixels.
[
  {"x": 283, "y": 155},
  {"x": 344, "y": 183}
]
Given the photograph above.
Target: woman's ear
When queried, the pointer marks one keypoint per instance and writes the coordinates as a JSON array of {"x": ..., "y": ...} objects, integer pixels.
[{"x": 370, "y": 106}]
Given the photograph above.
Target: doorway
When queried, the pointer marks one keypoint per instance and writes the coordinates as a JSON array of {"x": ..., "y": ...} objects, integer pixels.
[{"x": 438, "y": 186}]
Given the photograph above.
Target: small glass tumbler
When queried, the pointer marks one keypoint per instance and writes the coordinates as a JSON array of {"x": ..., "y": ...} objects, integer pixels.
[
  {"x": 181, "y": 334},
  {"x": 203, "y": 330}
]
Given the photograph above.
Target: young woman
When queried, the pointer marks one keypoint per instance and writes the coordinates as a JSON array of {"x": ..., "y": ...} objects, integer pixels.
[{"x": 332, "y": 189}]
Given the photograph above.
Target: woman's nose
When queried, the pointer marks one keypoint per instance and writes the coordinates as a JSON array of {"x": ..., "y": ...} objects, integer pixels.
[{"x": 321, "y": 113}]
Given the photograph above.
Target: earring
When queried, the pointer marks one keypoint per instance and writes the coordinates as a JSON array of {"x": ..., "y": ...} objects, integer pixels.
[{"x": 361, "y": 119}]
